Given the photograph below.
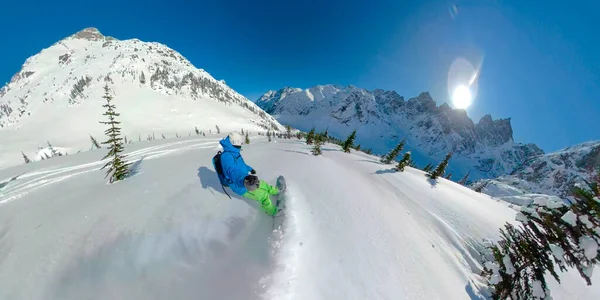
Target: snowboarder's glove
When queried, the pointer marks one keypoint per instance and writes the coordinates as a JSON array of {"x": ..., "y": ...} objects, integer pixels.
[
  {"x": 252, "y": 172},
  {"x": 251, "y": 183}
]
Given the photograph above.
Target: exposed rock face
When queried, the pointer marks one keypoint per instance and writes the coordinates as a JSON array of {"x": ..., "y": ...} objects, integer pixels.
[
  {"x": 554, "y": 173},
  {"x": 433, "y": 130}
]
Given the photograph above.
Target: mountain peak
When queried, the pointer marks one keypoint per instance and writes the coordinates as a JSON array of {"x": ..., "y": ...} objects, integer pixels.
[{"x": 90, "y": 34}]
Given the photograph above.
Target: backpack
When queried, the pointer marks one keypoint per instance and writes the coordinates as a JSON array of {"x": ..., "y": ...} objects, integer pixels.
[{"x": 219, "y": 168}]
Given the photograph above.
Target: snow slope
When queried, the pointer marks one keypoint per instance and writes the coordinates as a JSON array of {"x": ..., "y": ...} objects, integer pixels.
[
  {"x": 354, "y": 229},
  {"x": 56, "y": 96},
  {"x": 486, "y": 149}
]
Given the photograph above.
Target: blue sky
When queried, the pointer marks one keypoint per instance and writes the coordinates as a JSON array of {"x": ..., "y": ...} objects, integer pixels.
[{"x": 540, "y": 60}]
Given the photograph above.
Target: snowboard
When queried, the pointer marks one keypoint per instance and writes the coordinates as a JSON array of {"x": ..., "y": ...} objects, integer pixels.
[{"x": 280, "y": 203}]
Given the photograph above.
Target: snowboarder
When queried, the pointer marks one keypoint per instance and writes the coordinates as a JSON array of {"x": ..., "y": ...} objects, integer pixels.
[{"x": 234, "y": 173}]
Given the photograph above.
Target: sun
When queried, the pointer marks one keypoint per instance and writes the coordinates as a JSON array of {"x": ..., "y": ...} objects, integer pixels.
[{"x": 461, "y": 97}]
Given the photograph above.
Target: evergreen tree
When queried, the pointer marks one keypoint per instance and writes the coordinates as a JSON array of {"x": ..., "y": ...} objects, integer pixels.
[
  {"x": 463, "y": 181},
  {"x": 196, "y": 129},
  {"x": 142, "y": 78},
  {"x": 125, "y": 139},
  {"x": 53, "y": 151},
  {"x": 299, "y": 135},
  {"x": 176, "y": 135},
  {"x": 95, "y": 143},
  {"x": 218, "y": 129},
  {"x": 349, "y": 142},
  {"x": 318, "y": 141},
  {"x": 391, "y": 156},
  {"x": 247, "y": 141},
  {"x": 117, "y": 166},
  {"x": 369, "y": 151},
  {"x": 269, "y": 136},
  {"x": 441, "y": 168},
  {"x": 242, "y": 131},
  {"x": 203, "y": 134},
  {"x": 449, "y": 176},
  {"x": 480, "y": 186},
  {"x": 310, "y": 137},
  {"x": 27, "y": 160},
  {"x": 163, "y": 136},
  {"x": 428, "y": 167},
  {"x": 412, "y": 164},
  {"x": 552, "y": 236},
  {"x": 357, "y": 147},
  {"x": 140, "y": 137},
  {"x": 288, "y": 130},
  {"x": 326, "y": 134},
  {"x": 153, "y": 137},
  {"x": 405, "y": 161}
]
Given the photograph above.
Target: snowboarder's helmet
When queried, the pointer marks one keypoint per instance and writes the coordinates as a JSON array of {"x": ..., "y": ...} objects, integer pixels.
[{"x": 236, "y": 139}]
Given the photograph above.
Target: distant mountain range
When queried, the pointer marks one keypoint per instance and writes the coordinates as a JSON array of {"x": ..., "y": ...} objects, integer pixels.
[
  {"x": 382, "y": 118},
  {"x": 57, "y": 96}
]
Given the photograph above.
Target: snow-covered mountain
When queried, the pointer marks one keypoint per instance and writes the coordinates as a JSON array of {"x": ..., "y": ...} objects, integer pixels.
[
  {"x": 57, "y": 94},
  {"x": 169, "y": 232},
  {"x": 552, "y": 174},
  {"x": 383, "y": 117}
]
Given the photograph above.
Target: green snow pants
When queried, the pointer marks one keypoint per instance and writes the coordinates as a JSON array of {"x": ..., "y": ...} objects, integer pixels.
[{"x": 262, "y": 196}]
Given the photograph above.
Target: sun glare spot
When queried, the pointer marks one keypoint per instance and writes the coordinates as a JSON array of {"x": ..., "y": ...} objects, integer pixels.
[{"x": 461, "y": 97}]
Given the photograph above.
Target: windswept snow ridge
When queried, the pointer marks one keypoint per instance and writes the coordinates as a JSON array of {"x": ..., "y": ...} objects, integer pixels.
[{"x": 354, "y": 230}]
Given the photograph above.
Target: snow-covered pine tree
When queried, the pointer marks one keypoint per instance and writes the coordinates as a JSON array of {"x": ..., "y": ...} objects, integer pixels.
[
  {"x": 449, "y": 176},
  {"x": 326, "y": 134},
  {"x": 53, "y": 151},
  {"x": 357, "y": 148},
  {"x": 551, "y": 234},
  {"x": 140, "y": 137},
  {"x": 125, "y": 139},
  {"x": 299, "y": 135},
  {"x": 163, "y": 136},
  {"x": 349, "y": 142},
  {"x": 391, "y": 156},
  {"x": 247, "y": 141},
  {"x": 203, "y": 134},
  {"x": 176, "y": 135},
  {"x": 143, "y": 78},
  {"x": 196, "y": 129},
  {"x": 218, "y": 129},
  {"x": 441, "y": 168},
  {"x": 27, "y": 160},
  {"x": 242, "y": 131},
  {"x": 288, "y": 132},
  {"x": 428, "y": 167},
  {"x": 310, "y": 137},
  {"x": 117, "y": 166},
  {"x": 95, "y": 143},
  {"x": 269, "y": 136},
  {"x": 405, "y": 161},
  {"x": 318, "y": 141},
  {"x": 463, "y": 181}
]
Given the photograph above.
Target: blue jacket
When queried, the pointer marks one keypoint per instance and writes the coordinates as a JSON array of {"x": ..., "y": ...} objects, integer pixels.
[{"x": 234, "y": 167}]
